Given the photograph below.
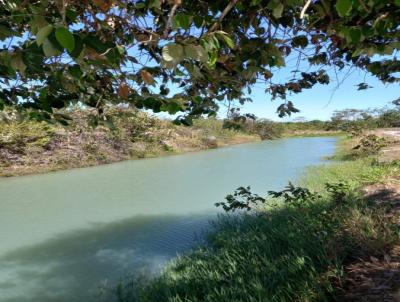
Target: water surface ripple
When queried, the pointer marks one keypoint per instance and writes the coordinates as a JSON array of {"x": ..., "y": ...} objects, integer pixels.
[{"x": 65, "y": 234}]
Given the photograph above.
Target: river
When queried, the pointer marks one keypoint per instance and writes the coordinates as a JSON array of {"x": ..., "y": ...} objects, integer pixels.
[{"x": 66, "y": 235}]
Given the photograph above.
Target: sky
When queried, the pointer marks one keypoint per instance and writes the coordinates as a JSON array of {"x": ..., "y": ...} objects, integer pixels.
[{"x": 321, "y": 101}]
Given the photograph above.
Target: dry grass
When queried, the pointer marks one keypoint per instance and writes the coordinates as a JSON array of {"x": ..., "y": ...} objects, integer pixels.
[{"x": 30, "y": 147}]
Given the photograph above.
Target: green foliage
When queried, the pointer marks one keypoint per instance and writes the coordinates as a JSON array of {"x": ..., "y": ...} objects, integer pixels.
[
  {"x": 343, "y": 7},
  {"x": 214, "y": 127},
  {"x": 65, "y": 38},
  {"x": 99, "y": 53},
  {"x": 352, "y": 121},
  {"x": 241, "y": 199},
  {"x": 20, "y": 137},
  {"x": 339, "y": 191},
  {"x": 294, "y": 195},
  {"x": 244, "y": 199},
  {"x": 371, "y": 144},
  {"x": 266, "y": 129}
]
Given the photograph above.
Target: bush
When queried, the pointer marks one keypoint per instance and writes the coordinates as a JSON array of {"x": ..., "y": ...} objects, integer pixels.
[
  {"x": 267, "y": 129},
  {"x": 20, "y": 136},
  {"x": 371, "y": 144}
]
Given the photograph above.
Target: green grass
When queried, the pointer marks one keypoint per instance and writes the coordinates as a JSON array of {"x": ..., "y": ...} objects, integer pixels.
[
  {"x": 287, "y": 252},
  {"x": 348, "y": 166}
]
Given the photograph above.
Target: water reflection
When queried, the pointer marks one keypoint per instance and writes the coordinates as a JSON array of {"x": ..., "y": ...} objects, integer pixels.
[{"x": 76, "y": 265}]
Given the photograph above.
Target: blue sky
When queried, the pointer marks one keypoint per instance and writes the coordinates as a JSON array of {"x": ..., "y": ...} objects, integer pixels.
[{"x": 318, "y": 102}]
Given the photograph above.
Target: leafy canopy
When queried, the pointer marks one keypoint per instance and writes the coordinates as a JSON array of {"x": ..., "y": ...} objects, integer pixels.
[{"x": 59, "y": 52}]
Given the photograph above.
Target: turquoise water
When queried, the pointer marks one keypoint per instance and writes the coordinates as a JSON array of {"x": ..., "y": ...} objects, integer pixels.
[{"x": 65, "y": 236}]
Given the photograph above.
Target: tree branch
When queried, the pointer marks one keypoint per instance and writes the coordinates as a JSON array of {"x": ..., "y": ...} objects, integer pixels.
[
  {"x": 170, "y": 17},
  {"x": 303, "y": 11},
  {"x": 224, "y": 13}
]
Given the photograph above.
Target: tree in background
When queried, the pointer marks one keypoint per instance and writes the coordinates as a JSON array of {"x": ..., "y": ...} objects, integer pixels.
[{"x": 185, "y": 56}]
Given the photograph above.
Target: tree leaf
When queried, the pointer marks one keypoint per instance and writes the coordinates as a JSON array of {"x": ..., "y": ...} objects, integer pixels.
[
  {"x": 268, "y": 74},
  {"x": 43, "y": 33},
  {"x": 124, "y": 90},
  {"x": 277, "y": 11},
  {"x": 172, "y": 55},
  {"x": 49, "y": 49},
  {"x": 104, "y": 5},
  {"x": 172, "y": 107},
  {"x": 226, "y": 39},
  {"x": 17, "y": 63},
  {"x": 198, "y": 21},
  {"x": 301, "y": 41},
  {"x": 182, "y": 20},
  {"x": 75, "y": 71},
  {"x": 343, "y": 7},
  {"x": 147, "y": 77},
  {"x": 172, "y": 52},
  {"x": 196, "y": 52},
  {"x": 7, "y": 32},
  {"x": 154, "y": 3},
  {"x": 78, "y": 47},
  {"x": 65, "y": 38},
  {"x": 355, "y": 35}
]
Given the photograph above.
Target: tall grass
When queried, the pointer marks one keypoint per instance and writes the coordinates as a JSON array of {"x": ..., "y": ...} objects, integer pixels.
[{"x": 287, "y": 252}]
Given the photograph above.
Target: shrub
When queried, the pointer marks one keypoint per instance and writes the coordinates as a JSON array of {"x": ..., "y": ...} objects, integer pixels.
[
  {"x": 19, "y": 136},
  {"x": 267, "y": 129},
  {"x": 371, "y": 144}
]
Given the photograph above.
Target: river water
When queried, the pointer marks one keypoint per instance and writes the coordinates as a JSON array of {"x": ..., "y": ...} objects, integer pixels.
[{"x": 65, "y": 236}]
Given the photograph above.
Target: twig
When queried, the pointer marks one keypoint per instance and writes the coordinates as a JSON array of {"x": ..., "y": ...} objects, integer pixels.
[
  {"x": 303, "y": 11},
  {"x": 170, "y": 17},
  {"x": 224, "y": 13},
  {"x": 364, "y": 6}
]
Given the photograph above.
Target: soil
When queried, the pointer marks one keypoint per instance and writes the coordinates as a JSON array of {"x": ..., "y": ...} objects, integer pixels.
[
  {"x": 391, "y": 152},
  {"x": 374, "y": 279},
  {"x": 378, "y": 278}
]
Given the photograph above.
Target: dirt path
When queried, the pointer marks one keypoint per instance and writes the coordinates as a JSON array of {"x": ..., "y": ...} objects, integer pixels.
[
  {"x": 391, "y": 152},
  {"x": 378, "y": 279}
]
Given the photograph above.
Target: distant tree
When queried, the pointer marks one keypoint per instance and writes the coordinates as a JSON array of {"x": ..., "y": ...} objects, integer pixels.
[
  {"x": 348, "y": 114},
  {"x": 397, "y": 103},
  {"x": 300, "y": 119}
]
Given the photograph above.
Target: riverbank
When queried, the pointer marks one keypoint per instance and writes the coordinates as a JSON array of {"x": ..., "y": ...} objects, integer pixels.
[
  {"x": 308, "y": 248},
  {"x": 312, "y": 133},
  {"x": 31, "y": 147}
]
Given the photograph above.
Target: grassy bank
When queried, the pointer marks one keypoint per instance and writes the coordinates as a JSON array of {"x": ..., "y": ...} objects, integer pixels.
[
  {"x": 295, "y": 249},
  {"x": 29, "y": 146}
]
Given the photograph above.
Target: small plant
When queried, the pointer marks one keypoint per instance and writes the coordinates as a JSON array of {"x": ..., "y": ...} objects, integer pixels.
[
  {"x": 339, "y": 191},
  {"x": 241, "y": 199},
  {"x": 267, "y": 129},
  {"x": 244, "y": 199},
  {"x": 371, "y": 144},
  {"x": 295, "y": 195}
]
